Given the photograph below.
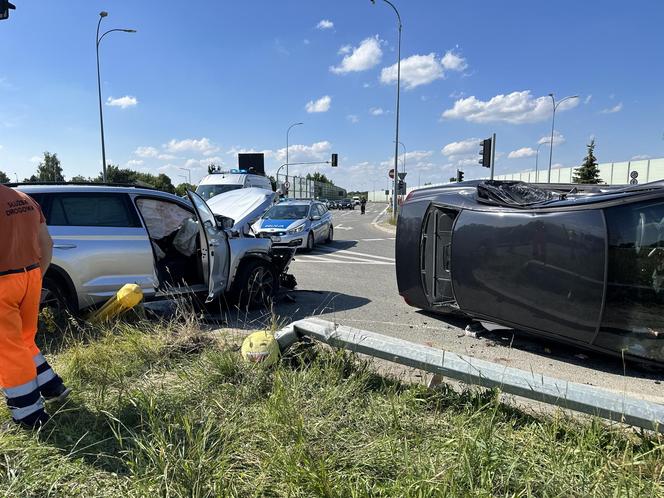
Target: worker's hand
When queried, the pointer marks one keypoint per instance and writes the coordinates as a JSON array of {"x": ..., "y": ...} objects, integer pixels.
[{"x": 46, "y": 248}]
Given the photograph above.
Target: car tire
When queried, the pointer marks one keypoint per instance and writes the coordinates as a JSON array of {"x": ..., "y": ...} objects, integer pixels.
[
  {"x": 55, "y": 304},
  {"x": 330, "y": 235},
  {"x": 310, "y": 242},
  {"x": 256, "y": 285}
]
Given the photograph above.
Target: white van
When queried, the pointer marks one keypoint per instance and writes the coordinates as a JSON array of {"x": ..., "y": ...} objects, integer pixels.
[
  {"x": 356, "y": 200},
  {"x": 218, "y": 183}
]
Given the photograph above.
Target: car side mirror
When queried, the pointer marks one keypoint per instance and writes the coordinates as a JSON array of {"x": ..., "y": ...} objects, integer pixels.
[
  {"x": 315, "y": 218},
  {"x": 224, "y": 222}
]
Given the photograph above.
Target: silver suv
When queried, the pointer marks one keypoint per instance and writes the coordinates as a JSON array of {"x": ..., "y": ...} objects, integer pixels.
[{"x": 105, "y": 237}]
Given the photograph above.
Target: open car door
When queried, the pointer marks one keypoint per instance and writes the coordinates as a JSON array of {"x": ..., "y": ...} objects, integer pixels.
[{"x": 215, "y": 251}]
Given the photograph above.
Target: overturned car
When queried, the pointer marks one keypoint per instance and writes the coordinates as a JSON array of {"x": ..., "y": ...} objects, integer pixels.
[{"x": 583, "y": 264}]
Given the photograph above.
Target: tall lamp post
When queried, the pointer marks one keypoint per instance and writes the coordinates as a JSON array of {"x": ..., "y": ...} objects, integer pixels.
[
  {"x": 188, "y": 170},
  {"x": 553, "y": 121},
  {"x": 287, "y": 135},
  {"x": 403, "y": 162},
  {"x": 103, "y": 14},
  {"x": 395, "y": 203}
]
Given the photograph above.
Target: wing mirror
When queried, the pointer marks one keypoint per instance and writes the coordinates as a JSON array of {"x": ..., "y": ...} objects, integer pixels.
[
  {"x": 315, "y": 217},
  {"x": 224, "y": 222}
]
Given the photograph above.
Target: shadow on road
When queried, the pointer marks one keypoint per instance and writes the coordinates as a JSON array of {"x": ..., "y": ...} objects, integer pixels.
[
  {"x": 551, "y": 350},
  {"x": 288, "y": 307}
]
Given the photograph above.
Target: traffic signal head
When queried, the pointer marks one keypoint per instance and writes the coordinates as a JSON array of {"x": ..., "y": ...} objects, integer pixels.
[
  {"x": 5, "y": 7},
  {"x": 335, "y": 160},
  {"x": 459, "y": 175},
  {"x": 485, "y": 153}
]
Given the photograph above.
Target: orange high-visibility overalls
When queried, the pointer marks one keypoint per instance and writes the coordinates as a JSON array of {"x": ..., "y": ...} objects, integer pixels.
[{"x": 25, "y": 374}]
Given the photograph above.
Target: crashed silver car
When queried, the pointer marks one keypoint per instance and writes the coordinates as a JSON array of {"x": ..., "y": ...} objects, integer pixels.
[{"x": 105, "y": 237}]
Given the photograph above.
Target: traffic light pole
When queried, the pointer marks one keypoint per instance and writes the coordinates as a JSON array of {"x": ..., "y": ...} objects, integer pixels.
[{"x": 493, "y": 153}]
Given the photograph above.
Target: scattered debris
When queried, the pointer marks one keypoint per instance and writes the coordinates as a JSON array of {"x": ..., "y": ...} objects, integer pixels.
[{"x": 475, "y": 330}]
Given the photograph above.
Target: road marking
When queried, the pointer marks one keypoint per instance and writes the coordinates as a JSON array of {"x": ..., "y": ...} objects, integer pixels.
[
  {"x": 341, "y": 227},
  {"x": 339, "y": 262},
  {"x": 343, "y": 251},
  {"x": 375, "y": 220},
  {"x": 371, "y": 240}
]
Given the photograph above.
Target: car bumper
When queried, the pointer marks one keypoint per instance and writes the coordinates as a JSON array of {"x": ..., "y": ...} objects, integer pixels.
[{"x": 295, "y": 240}]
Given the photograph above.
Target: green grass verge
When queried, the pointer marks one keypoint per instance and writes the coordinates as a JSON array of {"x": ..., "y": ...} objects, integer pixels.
[{"x": 159, "y": 411}]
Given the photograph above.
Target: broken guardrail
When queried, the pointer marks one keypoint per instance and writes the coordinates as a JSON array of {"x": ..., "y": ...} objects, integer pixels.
[{"x": 614, "y": 406}]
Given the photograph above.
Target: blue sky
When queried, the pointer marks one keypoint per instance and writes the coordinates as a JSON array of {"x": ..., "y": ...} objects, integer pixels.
[{"x": 203, "y": 80}]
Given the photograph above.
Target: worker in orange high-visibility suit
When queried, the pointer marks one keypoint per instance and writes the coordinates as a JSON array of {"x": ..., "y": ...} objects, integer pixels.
[{"x": 25, "y": 254}]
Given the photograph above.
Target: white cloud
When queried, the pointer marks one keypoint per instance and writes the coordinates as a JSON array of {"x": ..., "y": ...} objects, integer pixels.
[
  {"x": 166, "y": 157},
  {"x": 365, "y": 56},
  {"x": 366, "y": 85},
  {"x": 122, "y": 102},
  {"x": 133, "y": 163},
  {"x": 38, "y": 159},
  {"x": 558, "y": 139},
  {"x": 453, "y": 62},
  {"x": 521, "y": 153},
  {"x": 588, "y": 99},
  {"x": 320, "y": 105},
  {"x": 515, "y": 108},
  {"x": 467, "y": 162},
  {"x": 640, "y": 157},
  {"x": 345, "y": 49},
  {"x": 306, "y": 41},
  {"x": 325, "y": 24},
  {"x": 468, "y": 146},
  {"x": 376, "y": 111},
  {"x": 202, "y": 145},
  {"x": 419, "y": 70},
  {"x": 300, "y": 153},
  {"x": 612, "y": 110},
  {"x": 353, "y": 118},
  {"x": 146, "y": 152}
]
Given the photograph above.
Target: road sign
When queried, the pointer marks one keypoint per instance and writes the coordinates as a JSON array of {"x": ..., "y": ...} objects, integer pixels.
[
  {"x": 287, "y": 185},
  {"x": 391, "y": 173},
  {"x": 387, "y": 192},
  {"x": 634, "y": 175},
  {"x": 633, "y": 181},
  {"x": 402, "y": 176}
]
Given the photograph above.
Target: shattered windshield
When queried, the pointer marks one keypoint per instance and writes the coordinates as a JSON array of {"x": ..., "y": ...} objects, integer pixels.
[{"x": 514, "y": 193}]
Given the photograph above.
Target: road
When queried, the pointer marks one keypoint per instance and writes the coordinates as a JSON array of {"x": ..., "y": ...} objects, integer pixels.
[{"x": 352, "y": 282}]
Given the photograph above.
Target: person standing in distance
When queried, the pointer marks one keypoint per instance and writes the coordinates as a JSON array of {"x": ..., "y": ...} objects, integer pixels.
[{"x": 26, "y": 377}]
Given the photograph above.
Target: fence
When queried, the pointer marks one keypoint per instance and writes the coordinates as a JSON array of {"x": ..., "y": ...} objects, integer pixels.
[{"x": 304, "y": 188}]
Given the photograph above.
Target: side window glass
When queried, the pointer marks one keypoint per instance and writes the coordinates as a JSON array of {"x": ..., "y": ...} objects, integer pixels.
[{"x": 93, "y": 210}]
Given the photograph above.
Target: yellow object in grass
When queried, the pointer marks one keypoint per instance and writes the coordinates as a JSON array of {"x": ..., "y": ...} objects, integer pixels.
[
  {"x": 260, "y": 347},
  {"x": 125, "y": 299}
]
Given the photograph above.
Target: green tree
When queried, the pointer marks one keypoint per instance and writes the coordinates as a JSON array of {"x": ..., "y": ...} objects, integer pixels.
[
  {"x": 3, "y": 177},
  {"x": 319, "y": 177},
  {"x": 50, "y": 170},
  {"x": 182, "y": 189},
  {"x": 115, "y": 174},
  {"x": 80, "y": 179},
  {"x": 588, "y": 172}
]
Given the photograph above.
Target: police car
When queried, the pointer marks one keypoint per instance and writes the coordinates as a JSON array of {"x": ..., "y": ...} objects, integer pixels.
[{"x": 296, "y": 223}]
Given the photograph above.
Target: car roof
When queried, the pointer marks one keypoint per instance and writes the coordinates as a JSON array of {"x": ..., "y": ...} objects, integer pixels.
[
  {"x": 52, "y": 189},
  {"x": 298, "y": 202}
]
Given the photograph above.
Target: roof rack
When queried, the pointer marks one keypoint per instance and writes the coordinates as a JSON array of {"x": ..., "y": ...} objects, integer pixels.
[{"x": 87, "y": 184}]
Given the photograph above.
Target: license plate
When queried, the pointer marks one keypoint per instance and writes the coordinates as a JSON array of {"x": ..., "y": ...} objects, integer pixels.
[{"x": 275, "y": 238}]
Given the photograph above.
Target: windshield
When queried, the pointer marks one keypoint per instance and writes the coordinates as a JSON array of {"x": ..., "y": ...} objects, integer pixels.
[
  {"x": 209, "y": 191},
  {"x": 285, "y": 212}
]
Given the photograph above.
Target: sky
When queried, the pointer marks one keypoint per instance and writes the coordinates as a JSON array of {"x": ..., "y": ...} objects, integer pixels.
[{"x": 201, "y": 81}]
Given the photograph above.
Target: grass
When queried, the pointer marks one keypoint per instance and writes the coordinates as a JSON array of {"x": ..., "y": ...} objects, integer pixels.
[{"x": 165, "y": 410}]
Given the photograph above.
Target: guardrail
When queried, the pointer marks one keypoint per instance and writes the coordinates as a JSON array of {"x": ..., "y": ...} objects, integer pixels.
[{"x": 582, "y": 398}]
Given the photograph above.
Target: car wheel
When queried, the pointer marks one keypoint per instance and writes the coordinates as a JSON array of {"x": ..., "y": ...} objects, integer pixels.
[
  {"x": 54, "y": 305},
  {"x": 310, "y": 242},
  {"x": 256, "y": 285},
  {"x": 330, "y": 235}
]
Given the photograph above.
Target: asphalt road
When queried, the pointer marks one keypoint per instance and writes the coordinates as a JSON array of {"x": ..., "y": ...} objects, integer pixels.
[{"x": 352, "y": 282}]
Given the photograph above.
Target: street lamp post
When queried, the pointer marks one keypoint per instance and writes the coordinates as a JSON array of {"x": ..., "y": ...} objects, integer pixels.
[
  {"x": 103, "y": 14},
  {"x": 287, "y": 135},
  {"x": 553, "y": 121},
  {"x": 188, "y": 170},
  {"x": 537, "y": 161},
  {"x": 395, "y": 203}
]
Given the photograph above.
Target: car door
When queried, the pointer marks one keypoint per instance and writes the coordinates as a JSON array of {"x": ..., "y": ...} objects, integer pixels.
[
  {"x": 321, "y": 226},
  {"x": 215, "y": 251}
]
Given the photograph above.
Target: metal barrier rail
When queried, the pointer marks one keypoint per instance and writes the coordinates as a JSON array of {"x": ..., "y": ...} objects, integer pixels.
[{"x": 582, "y": 398}]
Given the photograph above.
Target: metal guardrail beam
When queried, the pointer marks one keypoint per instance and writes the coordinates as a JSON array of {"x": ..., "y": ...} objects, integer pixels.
[{"x": 582, "y": 398}]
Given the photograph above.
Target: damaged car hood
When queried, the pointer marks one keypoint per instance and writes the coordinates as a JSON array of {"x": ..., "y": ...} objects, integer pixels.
[{"x": 243, "y": 206}]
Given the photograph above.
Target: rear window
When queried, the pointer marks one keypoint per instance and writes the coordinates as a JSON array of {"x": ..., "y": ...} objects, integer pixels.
[
  {"x": 209, "y": 191},
  {"x": 90, "y": 210}
]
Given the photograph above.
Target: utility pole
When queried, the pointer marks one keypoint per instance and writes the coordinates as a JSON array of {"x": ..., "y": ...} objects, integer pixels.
[{"x": 493, "y": 153}]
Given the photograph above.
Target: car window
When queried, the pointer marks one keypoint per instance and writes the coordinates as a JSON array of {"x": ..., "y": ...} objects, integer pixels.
[
  {"x": 161, "y": 217},
  {"x": 92, "y": 210},
  {"x": 209, "y": 191},
  {"x": 287, "y": 212},
  {"x": 320, "y": 210}
]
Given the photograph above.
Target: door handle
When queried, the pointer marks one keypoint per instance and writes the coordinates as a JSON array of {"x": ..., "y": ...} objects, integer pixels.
[{"x": 64, "y": 246}]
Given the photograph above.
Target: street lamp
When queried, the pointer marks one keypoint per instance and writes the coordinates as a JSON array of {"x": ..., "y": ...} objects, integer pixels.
[
  {"x": 553, "y": 120},
  {"x": 287, "y": 134},
  {"x": 188, "y": 170},
  {"x": 395, "y": 203},
  {"x": 537, "y": 160},
  {"x": 403, "y": 162},
  {"x": 103, "y": 14}
]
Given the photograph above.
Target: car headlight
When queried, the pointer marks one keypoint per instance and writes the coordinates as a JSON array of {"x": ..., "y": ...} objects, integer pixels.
[{"x": 297, "y": 229}]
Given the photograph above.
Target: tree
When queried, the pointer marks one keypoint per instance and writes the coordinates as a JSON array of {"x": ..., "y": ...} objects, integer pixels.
[
  {"x": 588, "y": 172},
  {"x": 182, "y": 189},
  {"x": 80, "y": 179},
  {"x": 3, "y": 177},
  {"x": 115, "y": 174},
  {"x": 49, "y": 170},
  {"x": 319, "y": 177}
]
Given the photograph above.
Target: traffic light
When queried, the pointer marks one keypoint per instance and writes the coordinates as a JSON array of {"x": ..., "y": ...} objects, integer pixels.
[
  {"x": 335, "y": 160},
  {"x": 5, "y": 7},
  {"x": 459, "y": 175},
  {"x": 485, "y": 152}
]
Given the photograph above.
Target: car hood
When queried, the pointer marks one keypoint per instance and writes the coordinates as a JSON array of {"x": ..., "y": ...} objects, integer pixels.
[
  {"x": 270, "y": 224},
  {"x": 243, "y": 206}
]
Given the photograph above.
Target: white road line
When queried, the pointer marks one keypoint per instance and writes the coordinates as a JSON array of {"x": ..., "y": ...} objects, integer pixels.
[
  {"x": 339, "y": 262},
  {"x": 310, "y": 257},
  {"x": 379, "y": 215},
  {"x": 355, "y": 253},
  {"x": 371, "y": 240},
  {"x": 354, "y": 258}
]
